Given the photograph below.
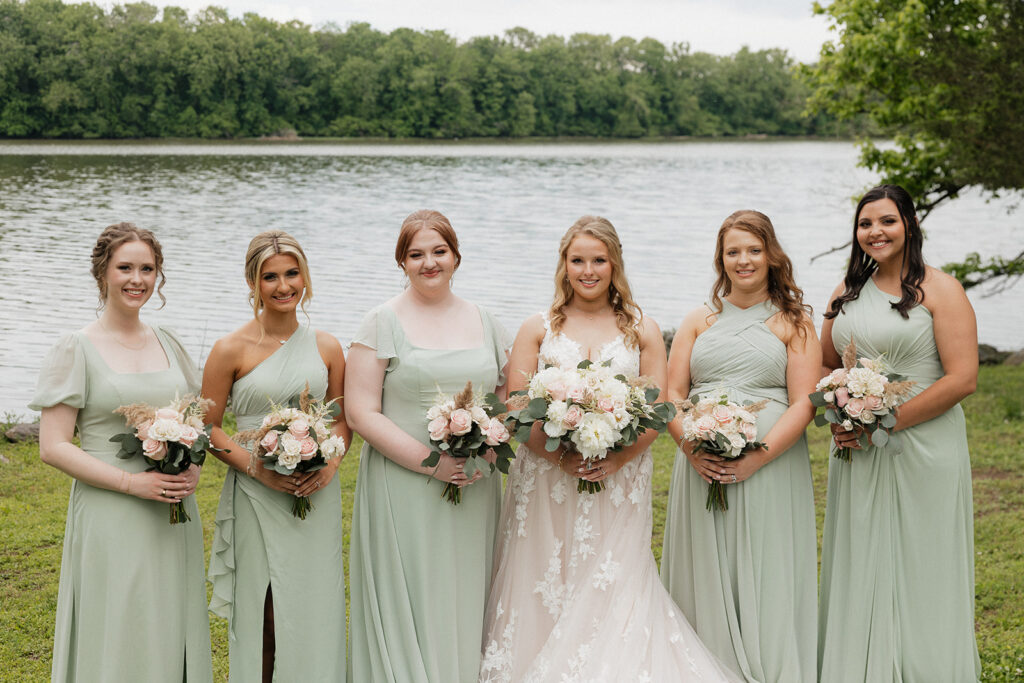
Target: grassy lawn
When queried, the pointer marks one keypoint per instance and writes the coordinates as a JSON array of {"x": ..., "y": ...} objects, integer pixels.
[{"x": 33, "y": 502}]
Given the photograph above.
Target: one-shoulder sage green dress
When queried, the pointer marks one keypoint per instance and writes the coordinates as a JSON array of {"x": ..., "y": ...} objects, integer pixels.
[
  {"x": 745, "y": 577},
  {"x": 897, "y": 559},
  {"x": 258, "y": 543},
  {"x": 131, "y": 605},
  {"x": 419, "y": 566}
]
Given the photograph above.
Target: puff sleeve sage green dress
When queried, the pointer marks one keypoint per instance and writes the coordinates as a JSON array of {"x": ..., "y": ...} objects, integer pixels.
[
  {"x": 420, "y": 566},
  {"x": 745, "y": 577},
  {"x": 897, "y": 559},
  {"x": 131, "y": 605},
  {"x": 259, "y": 543}
]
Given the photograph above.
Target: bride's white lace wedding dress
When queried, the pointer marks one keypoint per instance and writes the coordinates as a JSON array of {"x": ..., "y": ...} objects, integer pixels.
[{"x": 576, "y": 595}]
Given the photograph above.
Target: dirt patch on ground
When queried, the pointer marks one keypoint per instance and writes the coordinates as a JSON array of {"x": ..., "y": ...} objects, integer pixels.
[{"x": 995, "y": 473}]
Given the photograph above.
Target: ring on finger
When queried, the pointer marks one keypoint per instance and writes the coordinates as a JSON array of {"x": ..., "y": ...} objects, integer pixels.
[{"x": 163, "y": 493}]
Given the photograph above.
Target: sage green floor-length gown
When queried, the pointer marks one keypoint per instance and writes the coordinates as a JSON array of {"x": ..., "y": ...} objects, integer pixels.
[
  {"x": 132, "y": 602},
  {"x": 420, "y": 566},
  {"x": 897, "y": 559},
  {"x": 745, "y": 577},
  {"x": 258, "y": 543}
]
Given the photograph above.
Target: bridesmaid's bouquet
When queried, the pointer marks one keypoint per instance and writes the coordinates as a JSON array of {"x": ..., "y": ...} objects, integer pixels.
[
  {"x": 590, "y": 410},
  {"x": 296, "y": 437},
  {"x": 169, "y": 439},
  {"x": 723, "y": 428},
  {"x": 466, "y": 426},
  {"x": 861, "y": 394}
]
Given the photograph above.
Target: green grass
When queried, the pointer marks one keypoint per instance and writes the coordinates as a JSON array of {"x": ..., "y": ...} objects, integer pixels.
[{"x": 33, "y": 502}]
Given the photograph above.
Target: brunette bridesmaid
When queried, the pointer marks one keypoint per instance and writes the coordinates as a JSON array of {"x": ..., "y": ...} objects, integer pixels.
[
  {"x": 278, "y": 579},
  {"x": 131, "y": 602},
  {"x": 897, "y": 561}
]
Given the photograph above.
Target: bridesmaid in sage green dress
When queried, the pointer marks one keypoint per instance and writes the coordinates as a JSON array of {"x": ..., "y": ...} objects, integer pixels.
[
  {"x": 278, "y": 579},
  {"x": 897, "y": 560},
  {"x": 131, "y": 602},
  {"x": 419, "y": 566},
  {"x": 745, "y": 576}
]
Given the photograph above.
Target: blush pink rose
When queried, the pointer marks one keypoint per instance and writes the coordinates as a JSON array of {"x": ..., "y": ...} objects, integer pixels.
[
  {"x": 576, "y": 393},
  {"x": 749, "y": 431},
  {"x": 496, "y": 433},
  {"x": 143, "y": 430},
  {"x": 873, "y": 402},
  {"x": 606, "y": 405},
  {"x": 460, "y": 422},
  {"x": 573, "y": 417},
  {"x": 269, "y": 441},
  {"x": 723, "y": 414},
  {"x": 153, "y": 449},
  {"x": 839, "y": 376},
  {"x": 557, "y": 389},
  {"x": 189, "y": 434},
  {"x": 167, "y": 414},
  {"x": 842, "y": 396},
  {"x": 854, "y": 407},
  {"x": 299, "y": 429},
  {"x": 307, "y": 448},
  {"x": 438, "y": 428},
  {"x": 706, "y": 426}
]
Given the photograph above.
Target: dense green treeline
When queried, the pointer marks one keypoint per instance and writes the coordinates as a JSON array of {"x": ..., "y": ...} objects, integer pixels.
[{"x": 79, "y": 71}]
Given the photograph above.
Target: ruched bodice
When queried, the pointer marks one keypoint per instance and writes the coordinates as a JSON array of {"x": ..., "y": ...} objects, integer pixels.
[
  {"x": 907, "y": 345},
  {"x": 281, "y": 376},
  {"x": 740, "y": 353}
]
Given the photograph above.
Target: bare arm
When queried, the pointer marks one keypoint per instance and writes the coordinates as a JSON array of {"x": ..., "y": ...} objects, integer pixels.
[
  {"x": 364, "y": 386},
  {"x": 56, "y": 430}
]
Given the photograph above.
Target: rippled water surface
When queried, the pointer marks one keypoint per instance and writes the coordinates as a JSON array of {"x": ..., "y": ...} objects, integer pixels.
[{"x": 509, "y": 203}]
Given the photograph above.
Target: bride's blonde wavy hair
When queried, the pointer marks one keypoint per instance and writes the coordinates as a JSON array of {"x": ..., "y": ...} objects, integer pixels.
[{"x": 627, "y": 313}]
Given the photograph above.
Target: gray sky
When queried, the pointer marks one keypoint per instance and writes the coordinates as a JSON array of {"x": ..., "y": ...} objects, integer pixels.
[{"x": 717, "y": 26}]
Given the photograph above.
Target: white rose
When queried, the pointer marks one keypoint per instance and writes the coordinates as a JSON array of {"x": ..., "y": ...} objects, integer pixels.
[
  {"x": 291, "y": 446},
  {"x": 289, "y": 460},
  {"x": 434, "y": 413},
  {"x": 165, "y": 429},
  {"x": 737, "y": 442},
  {"x": 480, "y": 416}
]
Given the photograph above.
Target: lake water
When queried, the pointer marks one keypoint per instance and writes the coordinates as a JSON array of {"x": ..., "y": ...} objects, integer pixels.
[{"x": 509, "y": 203}]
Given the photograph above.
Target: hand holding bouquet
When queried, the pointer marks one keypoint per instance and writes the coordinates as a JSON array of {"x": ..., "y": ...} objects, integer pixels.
[
  {"x": 589, "y": 409},
  {"x": 465, "y": 426},
  {"x": 723, "y": 428},
  {"x": 296, "y": 438},
  {"x": 169, "y": 439},
  {"x": 861, "y": 394}
]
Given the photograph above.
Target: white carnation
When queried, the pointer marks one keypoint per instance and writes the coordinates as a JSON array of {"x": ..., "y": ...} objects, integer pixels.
[
  {"x": 864, "y": 382},
  {"x": 332, "y": 447}
]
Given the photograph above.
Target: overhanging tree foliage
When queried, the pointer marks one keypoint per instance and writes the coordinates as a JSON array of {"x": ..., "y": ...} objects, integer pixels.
[{"x": 946, "y": 79}]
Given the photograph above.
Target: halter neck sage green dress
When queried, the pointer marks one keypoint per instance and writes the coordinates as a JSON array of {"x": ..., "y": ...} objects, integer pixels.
[
  {"x": 897, "y": 559},
  {"x": 132, "y": 602},
  {"x": 419, "y": 566},
  {"x": 259, "y": 543},
  {"x": 745, "y": 577}
]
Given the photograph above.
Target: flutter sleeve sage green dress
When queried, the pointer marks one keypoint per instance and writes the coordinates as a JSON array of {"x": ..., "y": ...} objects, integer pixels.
[
  {"x": 745, "y": 577},
  {"x": 420, "y": 566},
  {"x": 897, "y": 559},
  {"x": 258, "y": 543},
  {"x": 131, "y": 605}
]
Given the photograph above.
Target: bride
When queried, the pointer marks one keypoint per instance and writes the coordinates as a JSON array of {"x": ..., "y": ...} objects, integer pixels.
[{"x": 575, "y": 594}]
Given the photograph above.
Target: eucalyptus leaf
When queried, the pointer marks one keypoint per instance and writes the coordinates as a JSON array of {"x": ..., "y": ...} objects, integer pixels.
[
  {"x": 879, "y": 437},
  {"x": 551, "y": 445}
]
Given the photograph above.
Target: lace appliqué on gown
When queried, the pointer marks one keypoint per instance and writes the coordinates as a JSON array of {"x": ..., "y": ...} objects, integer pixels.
[{"x": 576, "y": 585}]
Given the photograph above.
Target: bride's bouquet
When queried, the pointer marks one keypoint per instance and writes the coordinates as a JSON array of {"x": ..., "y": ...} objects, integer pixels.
[
  {"x": 169, "y": 439},
  {"x": 467, "y": 426},
  {"x": 296, "y": 438},
  {"x": 861, "y": 394},
  {"x": 589, "y": 409},
  {"x": 723, "y": 428}
]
